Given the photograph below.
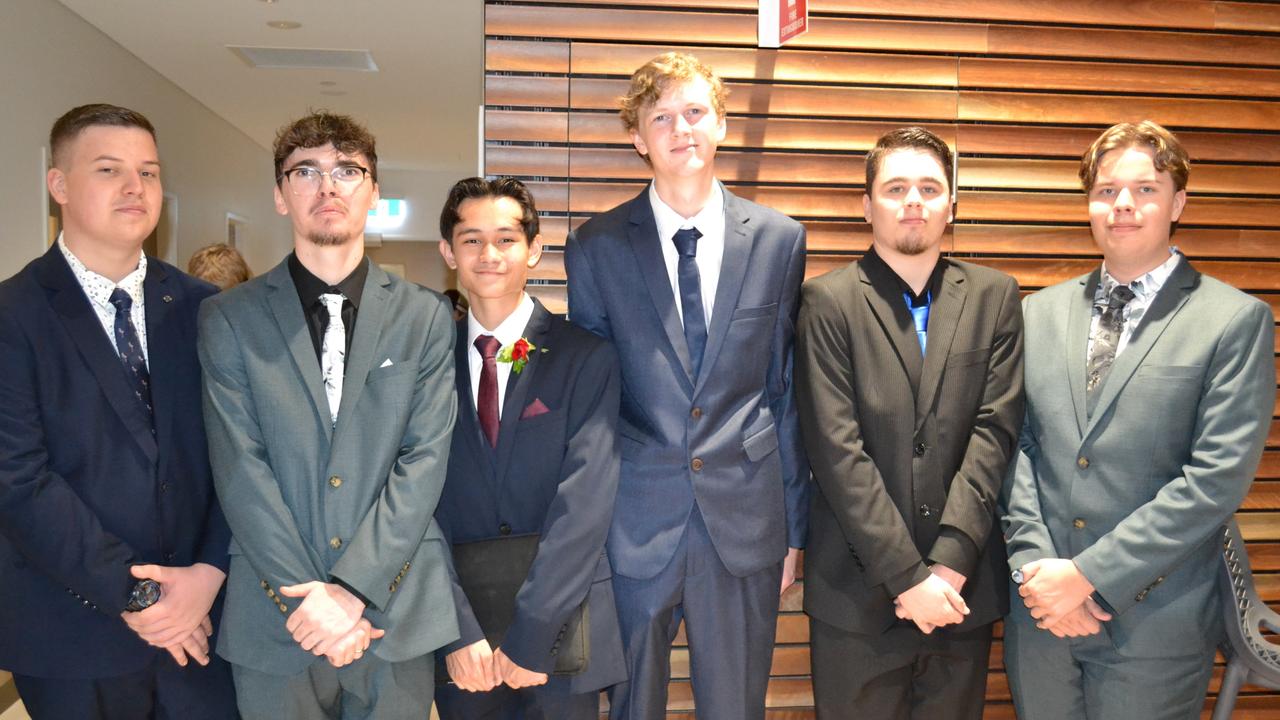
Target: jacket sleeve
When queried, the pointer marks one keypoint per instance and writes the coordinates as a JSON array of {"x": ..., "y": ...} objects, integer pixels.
[{"x": 782, "y": 399}]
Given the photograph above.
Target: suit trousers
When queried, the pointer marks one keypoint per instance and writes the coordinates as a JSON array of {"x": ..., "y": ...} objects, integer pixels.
[
  {"x": 367, "y": 689},
  {"x": 552, "y": 701},
  {"x": 1077, "y": 678},
  {"x": 901, "y": 674},
  {"x": 729, "y": 621},
  {"x": 163, "y": 690}
]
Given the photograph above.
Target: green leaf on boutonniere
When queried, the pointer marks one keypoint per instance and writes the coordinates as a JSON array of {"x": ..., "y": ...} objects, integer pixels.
[{"x": 517, "y": 353}]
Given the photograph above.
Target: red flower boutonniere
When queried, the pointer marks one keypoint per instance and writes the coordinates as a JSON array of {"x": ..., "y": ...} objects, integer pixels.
[{"x": 517, "y": 353}]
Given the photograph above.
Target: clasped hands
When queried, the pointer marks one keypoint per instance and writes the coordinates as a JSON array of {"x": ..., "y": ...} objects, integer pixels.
[
  {"x": 935, "y": 601},
  {"x": 479, "y": 668},
  {"x": 330, "y": 622},
  {"x": 179, "y": 621},
  {"x": 1059, "y": 597}
]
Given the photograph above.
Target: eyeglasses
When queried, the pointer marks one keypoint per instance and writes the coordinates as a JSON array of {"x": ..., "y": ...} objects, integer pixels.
[{"x": 306, "y": 179}]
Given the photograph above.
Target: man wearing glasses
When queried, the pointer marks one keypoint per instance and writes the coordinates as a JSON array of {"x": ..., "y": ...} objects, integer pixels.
[{"x": 329, "y": 402}]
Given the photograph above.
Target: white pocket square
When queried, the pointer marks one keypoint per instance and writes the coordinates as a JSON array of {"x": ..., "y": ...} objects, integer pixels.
[{"x": 386, "y": 363}]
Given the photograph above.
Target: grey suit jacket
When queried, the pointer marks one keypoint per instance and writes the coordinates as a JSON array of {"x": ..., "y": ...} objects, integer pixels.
[
  {"x": 1136, "y": 491},
  {"x": 908, "y": 452},
  {"x": 309, "y": 502}
]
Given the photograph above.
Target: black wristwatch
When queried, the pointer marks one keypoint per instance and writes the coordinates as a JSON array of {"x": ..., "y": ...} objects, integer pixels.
[{"x": 145, "y": 594}]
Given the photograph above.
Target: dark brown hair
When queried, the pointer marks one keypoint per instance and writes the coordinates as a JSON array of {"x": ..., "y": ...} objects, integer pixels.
[
  {"x": 913, "y": 137},
  {"x": 319, "y": 128},
  {"x": 1168, "y": 153},
  {"x": 477, "y": 187},
  {"x": 219, "y": 264},
  {"x": 77, "y": 119}
]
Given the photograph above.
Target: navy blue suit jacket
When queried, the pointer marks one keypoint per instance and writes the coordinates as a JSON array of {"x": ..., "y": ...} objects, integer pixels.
[
  {"x": 729, "y": 437},
  {"x": 86, "y": 491},
  {"x": 553, "y": 473}
]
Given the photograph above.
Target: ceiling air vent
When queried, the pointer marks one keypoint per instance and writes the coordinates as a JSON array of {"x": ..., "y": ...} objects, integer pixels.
[{"x": 305, "y": 58}]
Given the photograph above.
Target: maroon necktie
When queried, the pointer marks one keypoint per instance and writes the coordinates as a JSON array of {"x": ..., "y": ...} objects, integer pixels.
[{"x": 487, "y": 402}]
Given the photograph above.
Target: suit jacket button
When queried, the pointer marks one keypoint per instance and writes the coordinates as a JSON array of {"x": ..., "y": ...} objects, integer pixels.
[
  {"x": 1078, "y": 523},
  {"x": 1082, "y": 462},
  {"x": 920, "y": 448},
  {"x": 335, "y": 542},
  {"x": 335, "y": 481},
  {"x": 696, "y": 413},
  {"x": 391, "y": 587},
  {"x": 926, "y": 511},
  {"x": 264, "y": 584},
  {"x": 696, "y": 464},
  {"x": 504, "y": 528}
]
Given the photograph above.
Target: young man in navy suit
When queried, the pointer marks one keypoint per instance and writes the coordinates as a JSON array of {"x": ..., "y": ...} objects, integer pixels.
[
  {"x": 533, "y": 454},
  {"x": 112, "y": 545},
  {"x": 698, "y": 290}
]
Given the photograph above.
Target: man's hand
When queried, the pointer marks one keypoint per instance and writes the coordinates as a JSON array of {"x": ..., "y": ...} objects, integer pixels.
[
  {"x": 513, "y": 675},
  {"x": 195, "y": 645},
  {"x": 789, "y": 568},
  {"x": 1053, "y": 587},
  {"x": 350, "y": 647},
  {"x": 328, "y": 613},
  {"x": 186, "y": 594},
  {"x": 931, "y": 604},
  {"x": 1084, "y": 620},
  {"x": 471, "y": 668}
]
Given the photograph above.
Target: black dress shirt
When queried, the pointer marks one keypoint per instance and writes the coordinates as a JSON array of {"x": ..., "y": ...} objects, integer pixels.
[{"x": 310, "y": 288}]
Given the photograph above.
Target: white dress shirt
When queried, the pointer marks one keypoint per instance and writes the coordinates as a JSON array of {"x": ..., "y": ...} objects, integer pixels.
[
  {"x": 99, "y": 288},
  {"x": 1144, "y": 287},
  {"x": 507, "y": 332},
  {"x": 710, "y": 222}
]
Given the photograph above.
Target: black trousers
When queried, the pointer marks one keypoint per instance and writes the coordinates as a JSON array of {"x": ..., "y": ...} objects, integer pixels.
[
  {"x": 160, "y": 691},
  {"x": 901, "y": 674},
  {"x": 545, "y": 702}
]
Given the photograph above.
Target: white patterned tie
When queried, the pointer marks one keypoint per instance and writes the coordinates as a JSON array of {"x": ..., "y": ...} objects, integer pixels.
[{"x": 333, "y": 352}]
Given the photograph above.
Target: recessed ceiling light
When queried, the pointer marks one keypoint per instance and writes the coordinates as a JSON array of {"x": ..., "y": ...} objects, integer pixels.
[
  {"x": 327, "y": 83},
  {"x": 283, "y": 24}
]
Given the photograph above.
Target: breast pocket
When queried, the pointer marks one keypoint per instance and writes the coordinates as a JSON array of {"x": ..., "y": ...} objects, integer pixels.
[{"x": 759, "y": 311}]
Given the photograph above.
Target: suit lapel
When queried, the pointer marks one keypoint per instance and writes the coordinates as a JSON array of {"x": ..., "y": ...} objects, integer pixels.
[
  {"x": 364, "y": 344},
  {"x": 738, "y": 237},
  {"x": 647, "y": 247},
  {"x": 885, "y": 298},
  {"x": 1079, "y": 317},
  {"x": 82, "y": 324},
  {"x": 163, "y": 341},
  {"x": 282, "y": 297},
  {"x": 1171, "y": 298},
  {"x": 468, "y": 421},
  {"x": 518, "y": 385},
  {"x": 944, "y": 317}
]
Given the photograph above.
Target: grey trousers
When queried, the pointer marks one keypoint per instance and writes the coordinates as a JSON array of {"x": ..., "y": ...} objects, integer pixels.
[
  {"x": 1086, "y": 679},
  {"x": 368, "y": 689}
]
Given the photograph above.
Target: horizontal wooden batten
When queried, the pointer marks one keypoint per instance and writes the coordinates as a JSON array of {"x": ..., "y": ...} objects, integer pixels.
[{"x": 843, "y": 169}]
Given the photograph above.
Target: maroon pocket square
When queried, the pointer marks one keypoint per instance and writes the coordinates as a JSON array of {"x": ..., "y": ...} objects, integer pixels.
[{"x": 534, "y": 409}]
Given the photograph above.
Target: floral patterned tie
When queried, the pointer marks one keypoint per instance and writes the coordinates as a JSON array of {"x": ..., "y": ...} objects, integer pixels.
[{"x": 333, "y": 350}]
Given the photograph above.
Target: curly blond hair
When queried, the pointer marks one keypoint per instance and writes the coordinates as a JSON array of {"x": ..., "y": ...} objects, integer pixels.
[{"x": 654, "y": 77}]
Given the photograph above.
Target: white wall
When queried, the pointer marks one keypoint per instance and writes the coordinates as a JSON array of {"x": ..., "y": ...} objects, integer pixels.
[{"x": 51, "y": 61}]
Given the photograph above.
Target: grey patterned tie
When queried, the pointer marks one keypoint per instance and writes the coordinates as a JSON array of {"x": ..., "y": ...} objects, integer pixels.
[
  {"x": 333, "y": 350},
  {"x": 1102, "y": 353}
]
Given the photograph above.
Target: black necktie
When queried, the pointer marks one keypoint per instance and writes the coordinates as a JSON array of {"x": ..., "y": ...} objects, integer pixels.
[
  {"x": 130, "y": 349},
  {"x": 695, "y": 321},
  {"x": 1102, "y": 354},
  {"x": 487, "y": 400}
]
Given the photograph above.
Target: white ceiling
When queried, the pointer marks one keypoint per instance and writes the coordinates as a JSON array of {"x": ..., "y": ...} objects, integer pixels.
[{"x": 422, "y": 104}]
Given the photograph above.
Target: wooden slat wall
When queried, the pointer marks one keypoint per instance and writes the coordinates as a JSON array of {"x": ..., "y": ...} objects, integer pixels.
[{"x": 1018, "y": 87}]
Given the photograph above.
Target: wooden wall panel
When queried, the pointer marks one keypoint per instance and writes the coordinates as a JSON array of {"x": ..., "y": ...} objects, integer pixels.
[{"x": 1019, "y": 88}]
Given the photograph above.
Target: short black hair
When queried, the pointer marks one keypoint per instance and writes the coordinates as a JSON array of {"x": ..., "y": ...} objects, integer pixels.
[
  {"x": 76, "y": 120},
  {"x": 477, "y": 187},
  {"x": 914, "y": 137}
]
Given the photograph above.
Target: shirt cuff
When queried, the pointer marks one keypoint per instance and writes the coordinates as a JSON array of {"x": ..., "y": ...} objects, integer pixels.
[{"x": 955, "y": 550}]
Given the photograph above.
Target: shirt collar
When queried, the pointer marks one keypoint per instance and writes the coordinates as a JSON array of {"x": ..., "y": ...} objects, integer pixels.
[
  {"x": 99, "y": 287},
  {"x": 710, "y": 217},
  {"x": 1144, "y": 286},
  {"x": 310, "y": 287},
  {"x": 509, "y": 330},
  {"x": 930, "y": 288}
]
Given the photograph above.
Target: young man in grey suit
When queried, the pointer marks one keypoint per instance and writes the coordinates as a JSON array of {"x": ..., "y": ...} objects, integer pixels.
[
  {"x": 909, "y": 379},
  {"x": 1149, "y": 396},
  {"x": 697, "y": 289},
  {"x": 329, "y": 400}
]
